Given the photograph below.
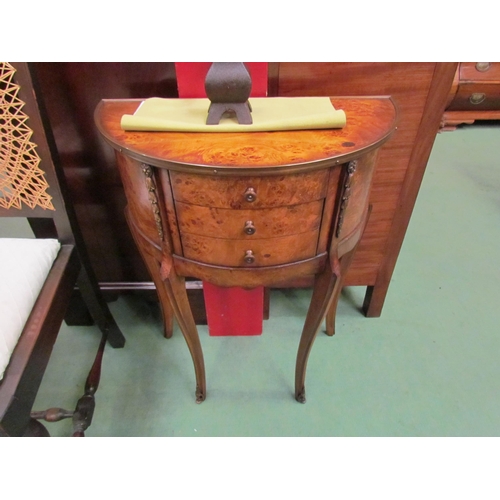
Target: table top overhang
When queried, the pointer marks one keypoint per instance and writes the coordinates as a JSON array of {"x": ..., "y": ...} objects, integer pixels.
[{"x": 370, "y": 123}]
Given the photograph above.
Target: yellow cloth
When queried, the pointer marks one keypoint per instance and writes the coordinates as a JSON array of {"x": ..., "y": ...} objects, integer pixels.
[{"x": 268, "y": 113}]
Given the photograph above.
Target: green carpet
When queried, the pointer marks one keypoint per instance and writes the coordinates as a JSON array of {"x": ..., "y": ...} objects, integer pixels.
[{"x": 428, "y": 367}]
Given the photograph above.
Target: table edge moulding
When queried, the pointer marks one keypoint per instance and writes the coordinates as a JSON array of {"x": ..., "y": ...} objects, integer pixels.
[{"x": 306, "y": 191}]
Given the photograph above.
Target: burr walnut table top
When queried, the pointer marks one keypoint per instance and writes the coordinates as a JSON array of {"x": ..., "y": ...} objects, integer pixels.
[{"x": 268, "y": 152}]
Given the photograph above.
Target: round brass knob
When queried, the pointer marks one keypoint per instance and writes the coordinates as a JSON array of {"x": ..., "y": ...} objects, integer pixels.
[
  {"x": 249, "y": 257},
  {"x": 477, "y": 98},
  {"x": 250, "y": 194},
  {"x": 249, "y": 227},
  {"x": 482, "y": 66}
]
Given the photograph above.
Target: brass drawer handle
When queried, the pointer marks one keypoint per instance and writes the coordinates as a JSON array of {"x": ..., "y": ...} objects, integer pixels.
[
  {"x": 482, "y": 66},
  {"x": 249, "y": 227},
  {"x": 250, "y": 195},
  {"x": 249, "y": 257},
  {"x": 477, "y": 98}
]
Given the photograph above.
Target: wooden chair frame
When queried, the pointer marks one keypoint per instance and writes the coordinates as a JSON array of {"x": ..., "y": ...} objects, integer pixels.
[{"x": 23, "y": 376}]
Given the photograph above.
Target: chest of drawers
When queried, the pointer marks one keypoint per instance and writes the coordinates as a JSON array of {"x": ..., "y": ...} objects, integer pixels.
[
  {"x": 249, "y": 221},
  {"x": 249, "y": 209},
  {"x": 474, "y": 95}
]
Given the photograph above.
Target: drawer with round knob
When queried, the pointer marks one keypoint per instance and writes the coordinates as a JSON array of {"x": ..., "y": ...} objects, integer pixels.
[
  {"x": 249, "y": 192},
  {"x": 253, "y": 253},
  {"x": 477, "y": 88},
  {"x": 248, "y": 224},
  {"x": 477, "y": 96},
  {"x": 479, "y": 71}
]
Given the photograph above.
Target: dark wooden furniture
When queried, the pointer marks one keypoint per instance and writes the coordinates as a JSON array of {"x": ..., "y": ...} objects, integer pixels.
[
  {"x": 249, "y": 209},
  {"x": 73, "y": 90},
  {"x": 420, "y": 91},
  {"x": 474, "y": 95},
  {"x": 24, "y": 373}
]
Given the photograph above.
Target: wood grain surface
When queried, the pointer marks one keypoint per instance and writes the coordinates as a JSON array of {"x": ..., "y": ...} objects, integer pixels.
[
  {"x": 294, "y": 196},
  {"x": 267, "y": 252},
  {"x": 266, "y": 222},
  {"x": 229, "y": 192},
  {"x": 257, "y": 150},
  {"x": 72, "y": 91},
  {"x": 420, "y": 91}
]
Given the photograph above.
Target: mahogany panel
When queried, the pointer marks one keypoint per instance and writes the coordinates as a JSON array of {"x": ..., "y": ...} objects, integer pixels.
[
  {"x": 430, "y": 122},
  {"x": 410, "y": 85},
  {"x": 477, "y": 72},
  {"x": 475, "y": 95},
  {"x": 71, "y": 91}
]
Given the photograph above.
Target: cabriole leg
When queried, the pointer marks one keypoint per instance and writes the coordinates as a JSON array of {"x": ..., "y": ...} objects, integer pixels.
[
  {"x": 176, "y": 290},
  {"x": 321, "y": 299},
  {"x": 345, "y": 262},
  {"x": 153, "y": 266},
  {"x": 166, "y": 308}
]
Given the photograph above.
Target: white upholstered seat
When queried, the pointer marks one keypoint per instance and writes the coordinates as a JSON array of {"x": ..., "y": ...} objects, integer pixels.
[{"x": 24, "y": 266}]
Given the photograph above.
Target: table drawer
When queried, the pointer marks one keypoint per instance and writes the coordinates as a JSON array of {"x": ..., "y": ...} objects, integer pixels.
[
  {"x": 476, "y": 96},
  {"x": 249, "y": 192},
  {"x": 260, "y": 253},
  {"x": 477, "y": 72},
  {"x": 249, "y": 224}
]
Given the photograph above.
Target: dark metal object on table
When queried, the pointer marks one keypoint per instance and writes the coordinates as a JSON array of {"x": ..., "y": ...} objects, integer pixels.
[{"x": 228, "y": 86}]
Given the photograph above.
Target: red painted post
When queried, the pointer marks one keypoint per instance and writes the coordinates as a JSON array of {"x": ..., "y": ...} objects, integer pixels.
[{"x": 230, "y": 311}]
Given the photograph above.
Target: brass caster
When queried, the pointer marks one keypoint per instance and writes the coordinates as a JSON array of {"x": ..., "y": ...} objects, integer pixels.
[
  {"x": 200, "y": 396},
  {"x": 301, "y": 396}
]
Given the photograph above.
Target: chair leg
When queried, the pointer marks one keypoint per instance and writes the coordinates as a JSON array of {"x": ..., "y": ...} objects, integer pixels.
[
  {"x": 36, "y": 429},
  {"x": 99, "y": 309},
  {"x": 84, "y": 411}
]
